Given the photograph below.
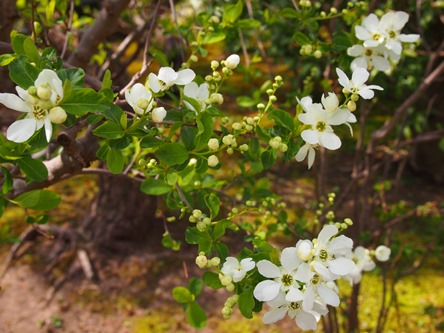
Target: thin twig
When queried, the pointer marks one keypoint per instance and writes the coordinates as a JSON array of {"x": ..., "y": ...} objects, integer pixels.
[{"x": 68, "y": 30}]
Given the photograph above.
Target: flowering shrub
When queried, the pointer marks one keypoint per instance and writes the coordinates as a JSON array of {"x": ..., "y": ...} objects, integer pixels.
[{"x": 171, "y": 132}]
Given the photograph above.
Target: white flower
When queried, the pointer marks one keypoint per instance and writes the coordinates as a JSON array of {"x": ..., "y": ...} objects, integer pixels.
[
  {"x": 382, "y": 253},
  {"x": 284, "y": 277},
  {"x": 321, "y": 132},
  {"x": 304, "y": 249},
  {"x": 356, "y": 84},
  {"x": 213, "y": 161},
  {"x": 37, "y": 102},
  {"x": 199, "y": 93},
  {"x": 232, "y": 61},
  {"x": 392, "y": 23},
  {"x": 237, "y": 270},
  {"x": 369, "y": 57},
  {"x": 330, "y": 253},
  {"x": 306, "y": 320},
  {"x": 140, "y": 99},
  {"x": 158, "y": 114},
  {"x": 168, "y": 77},
  {"x": 370, "y": 32},
  {"x": 363, "y": 262}
]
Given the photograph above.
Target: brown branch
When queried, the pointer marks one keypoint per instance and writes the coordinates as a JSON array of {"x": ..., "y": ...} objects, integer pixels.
[
  {"x": 104, "y": 25},
  {"x": 385, "y": 130}
]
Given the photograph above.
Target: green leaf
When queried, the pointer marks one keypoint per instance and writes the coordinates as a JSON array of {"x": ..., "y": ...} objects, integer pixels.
[
  {"x": 188, "y": 135},
  {"x": 196, "y": 315},
  {"x": 17, "y": 42},
  {"x": 6, "y": 59},
  {"x": 268, "y": 158},
  {"x": 212, "y": 280},
  {"x": 262, "y": 134},
  {"x": 106, "y": 82},
  {"x": 195, "y": 286},
  {"x": 221, "y": 227},
  {"x": 6, "y": 177},
  {"x": 34, "y": 169},
  {"x": 84, "y": 100},
  {"x": 153, "y": 186},
  {"x": 114, "y": 160},
  {"x": 182, "y": 295},
  {"x": 202, "y": 238},
  {"x": 289, "y": 13},
  {"x": 74, "y": 75},
  {"x": 172, "y": 153},
  {"x": 38, "y": 199},
  {"x": 159, "y": 56},
  {"x": 282, "y": 118},
  {"x": 213, "y": 204},
  {"x": 245, "y": 101},
  {"x": 248, "y": 24},
  {"x": 213, "y": 37},
  {"x": 31, "y": 50},
  {"x": 109, "y": 130},
  {"x": 341, "y": 41},
  {"x": 150, "y": 142},
  {"x": 113, "y": 113},
  {"x": 23, "y": 73},
  {"x": 204, "y": 130},
  {"x": 301, "y": 38},
  {"x": 246, "y": 303},
  {"x": 232, "y": 12}
]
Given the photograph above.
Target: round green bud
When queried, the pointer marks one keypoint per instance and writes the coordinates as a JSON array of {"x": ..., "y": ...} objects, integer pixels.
[
  {"x": 354, "y": 97},
  {"x": 351, "y": 106},
  {"x": 317, "y": 54}
]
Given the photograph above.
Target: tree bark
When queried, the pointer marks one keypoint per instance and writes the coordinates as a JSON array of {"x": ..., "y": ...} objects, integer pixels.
[{"x": 121, "y": 215}]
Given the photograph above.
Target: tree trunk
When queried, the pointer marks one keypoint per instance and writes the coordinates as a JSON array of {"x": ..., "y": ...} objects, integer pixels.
[{"x": 121, "y": 215}]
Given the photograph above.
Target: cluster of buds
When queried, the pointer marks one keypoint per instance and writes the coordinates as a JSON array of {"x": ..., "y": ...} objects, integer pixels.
[
  {"x": 201, "y": 220},
  {"x": 217, "y": 77},
  {"x": 310, "y": 50},
  {"x": 276, "y": 143},
  {"x": 203, "y": 262},
  {"x": 247, "y": 125},
  {"x": 227, "y": 310},
  {"x": 150, "y": 164},
  {"x": 231, "y": 142}
]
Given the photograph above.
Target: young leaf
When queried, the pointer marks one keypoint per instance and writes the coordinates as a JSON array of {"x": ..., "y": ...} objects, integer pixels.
[
  {"x": 38, "y": 199},
  {"x": 212, "y": 280},
  {"x": 195, "y": 286},
  {"x": 204, "y": 130},
  {"x": 231, "y": 12},
  {"x": 23, "y": 73},
  {"x": 114, "y": 160},
  {"x": 213, "y": 204},
  {"x": 282, "y": 118},
  {"x": 182, "y": 295},
  {"x": 196, "y": 315},
  {"x": 84, "y": 100}
]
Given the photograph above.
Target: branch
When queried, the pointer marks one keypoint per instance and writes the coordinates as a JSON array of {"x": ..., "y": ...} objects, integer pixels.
[{"x": 104, "y": 25}]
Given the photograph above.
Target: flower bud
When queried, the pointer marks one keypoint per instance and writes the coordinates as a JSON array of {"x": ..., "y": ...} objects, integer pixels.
[
  {"x": 213, "y": 161},
  {"x": 304, "y": 248},
  {"x": 213, "y": 144},
  {"x": 43, "y": 93},
  {"x": 201, "y": 261},
  {"x": 57, "y": 115},
  {"x": 230, "y": 287},
  {"x": 225, "y": 280},
  {"x": 232, "y": 61},
  {"x": 193, "y": 58},
  {"x": 382, "y": 253},
  {"x": 197, "y": 213},
  {"x": 351, "y": 106},
  {"x": 158, "y": 114},
  {"x": 192, "y": 162}
]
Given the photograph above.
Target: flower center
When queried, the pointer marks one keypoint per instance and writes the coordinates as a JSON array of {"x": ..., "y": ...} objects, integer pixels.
[
  {"x": 39, "y": 113},
  {"x": 323, "y": 255},
  {"x": 376, "y": 36},
  {"x": 287, "y": 280},
  {"x": 368, "y": 52},
  {"x": 392, "y": 34},
  {"x": 321, "y": 126},
  {"x": 162, "y": 83},
  {"x": 315, "y": 279},
  {"x": 295, "y": 305}
]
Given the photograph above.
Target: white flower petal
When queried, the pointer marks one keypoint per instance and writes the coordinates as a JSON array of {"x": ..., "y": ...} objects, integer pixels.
[
  {"x": 360, "y": 76},
  {"x": 190, "y": 89},
  {"x": 268, "y": 269},
  {"x": 362, "y": 33},
  {"x": 330, "y": 141},
  {"x": 327, "y": 232},
  {"x": 21, "y": 130},
  {"x": 408, "y": 38},
  {"x": 159, "y": 114},
  {"x": 310, "y": 136},
  {"x": 247, "y": 264},
  {"x": 185, "y": 76},
  {"x": 328, "y": 296},
  {"x": 381, "y": 63},
  {"x": 306, "y": 321},
  {"x": 343, "y": 79},
  {"x": 302, "y": 153},
  {"x": 356, "y": 50},
  {"x": 304, "y": 273},
  {"x": 266, "y": 290},
  {"x": 154, "y": 82},
  {"x": 274, "y": 315},
  {"x": 13, "y": 102},
  {"x": 311, "y": 156},
  {"x": 341, "y": 266},
  {"x": 168, "y": 76},
  {"x": 340, "y": 245},
  {"x": 294, "y": 295},
  {"x": 309, "y": 298},
  {"x": 289, "y": 259},
  {"x": 48, "y": 129}
]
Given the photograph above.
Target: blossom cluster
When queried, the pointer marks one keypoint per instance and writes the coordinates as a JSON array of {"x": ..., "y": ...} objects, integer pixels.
[
  {"x": 320, "y": 117},
  {"x": 302, "y": 285},
  {"x": 381, "y": 41}
]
